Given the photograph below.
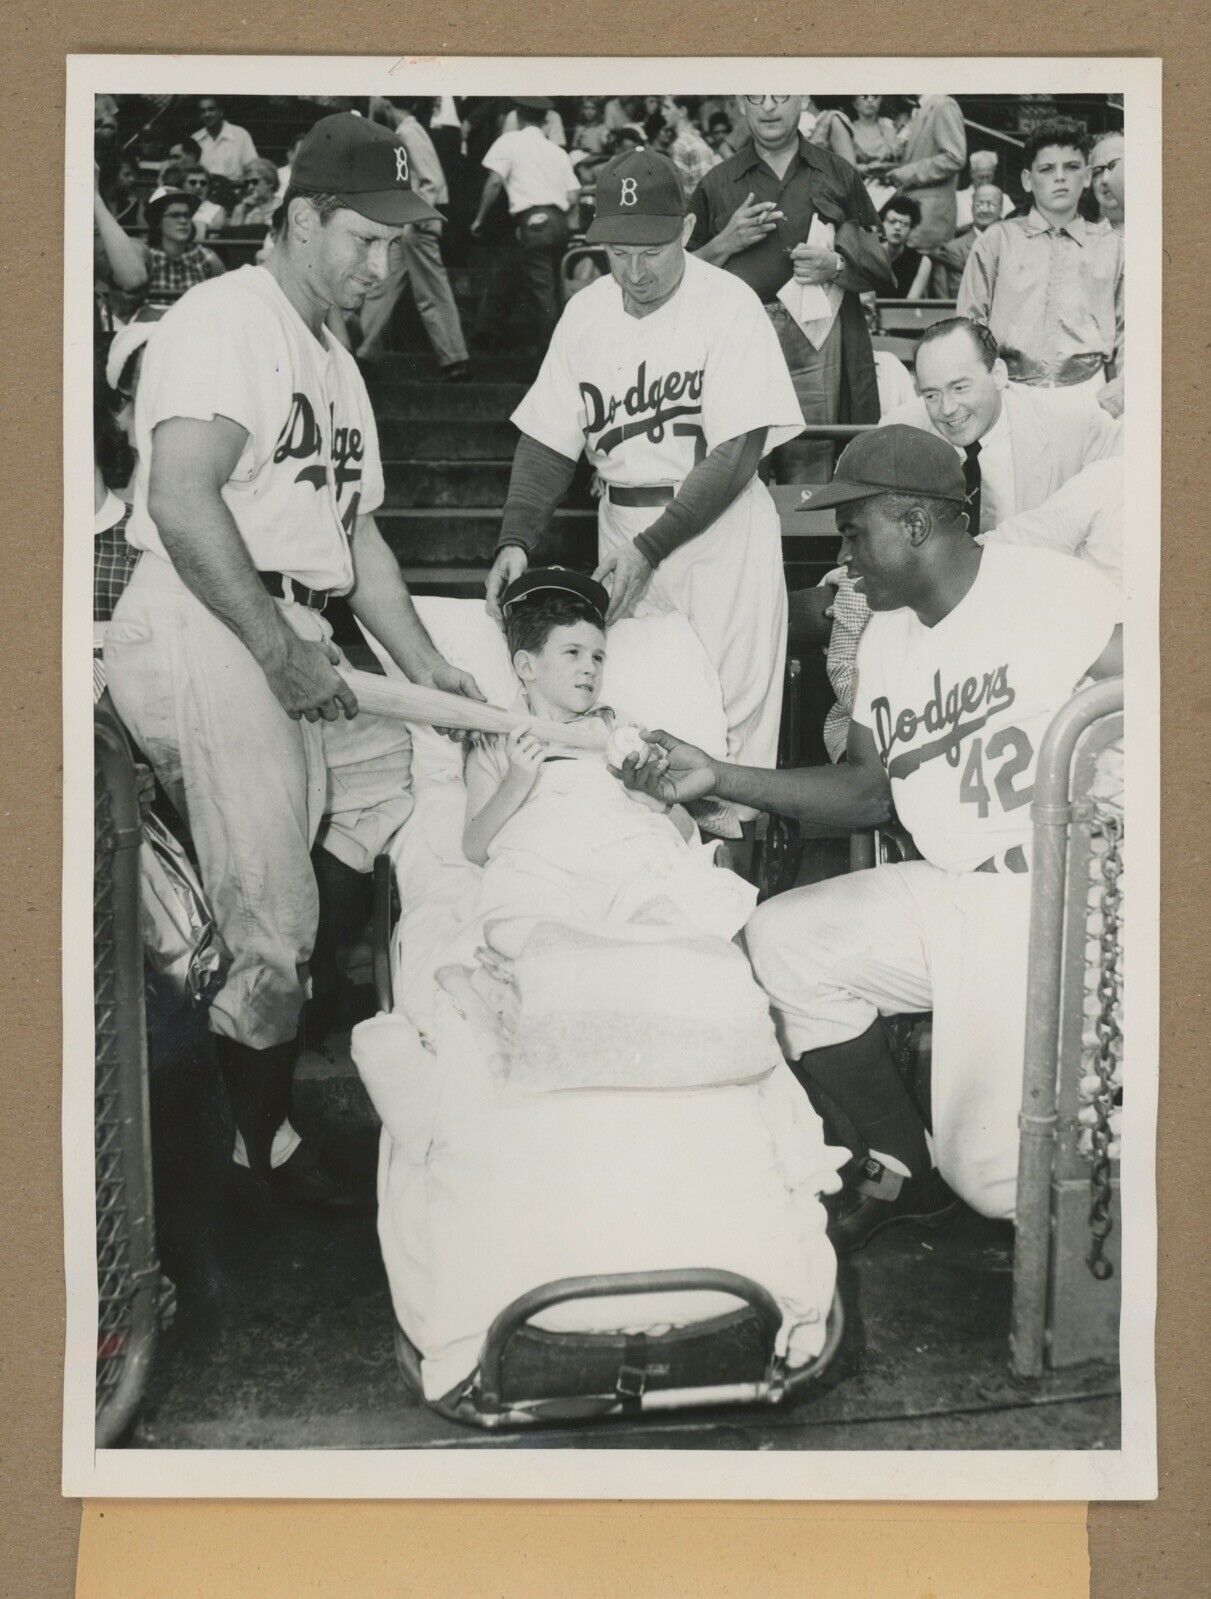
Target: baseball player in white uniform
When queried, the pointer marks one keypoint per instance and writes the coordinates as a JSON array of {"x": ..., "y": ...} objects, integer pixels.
[
  {"x": 970, "y": 653},
  {"x": 258, "y": 476},
  {"x": 669, "y": 377}
]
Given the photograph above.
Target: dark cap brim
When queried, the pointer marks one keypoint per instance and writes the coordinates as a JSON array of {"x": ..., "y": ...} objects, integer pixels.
[
  {"x": 394, "y": 208},
  {"x": 843, "y": 492},
  {"x": 634, "y": 230},
  {"x": 555, "y": 580}
]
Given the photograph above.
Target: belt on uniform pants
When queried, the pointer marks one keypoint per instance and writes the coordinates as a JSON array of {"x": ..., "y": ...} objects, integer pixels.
[
  {"x": 658, "y": 494},
  {"x": 1013, "y": 860},
  {"x": 289, "y": 588}
]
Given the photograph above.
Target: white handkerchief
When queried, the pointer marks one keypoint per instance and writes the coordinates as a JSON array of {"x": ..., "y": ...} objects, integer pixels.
[{"x": 813, "y": 306}]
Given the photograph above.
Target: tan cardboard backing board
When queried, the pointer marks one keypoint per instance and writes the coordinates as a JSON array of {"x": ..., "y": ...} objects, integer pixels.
[{"x": 261, "y": 1549}]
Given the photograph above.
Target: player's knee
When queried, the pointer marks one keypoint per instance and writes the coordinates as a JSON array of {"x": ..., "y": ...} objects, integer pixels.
[{"x": 781, "y": 941}]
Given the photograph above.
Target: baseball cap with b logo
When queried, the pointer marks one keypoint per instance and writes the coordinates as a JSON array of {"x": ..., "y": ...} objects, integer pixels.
[
  {"x": 639, "y": 200},
  {"x": 892, "y": 460},
  {"x": 364, "y": 165}
]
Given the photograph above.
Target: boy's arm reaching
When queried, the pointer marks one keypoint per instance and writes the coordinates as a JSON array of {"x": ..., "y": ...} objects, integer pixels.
[{"x": 492, "y": 800}]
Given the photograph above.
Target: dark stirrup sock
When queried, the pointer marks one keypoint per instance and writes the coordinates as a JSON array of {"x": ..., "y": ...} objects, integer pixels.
[{"x": 859, "y": 1077}]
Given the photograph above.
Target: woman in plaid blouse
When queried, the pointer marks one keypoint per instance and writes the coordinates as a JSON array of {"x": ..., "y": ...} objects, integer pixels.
[{"x": 175, "y": 259}]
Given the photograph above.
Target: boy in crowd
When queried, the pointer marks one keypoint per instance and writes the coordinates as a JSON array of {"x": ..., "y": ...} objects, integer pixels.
[{"x": 1050, "y": 284}]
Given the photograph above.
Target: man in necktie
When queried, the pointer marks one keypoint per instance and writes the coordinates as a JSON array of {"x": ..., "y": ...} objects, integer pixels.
[{"x": 972, "y": 477}]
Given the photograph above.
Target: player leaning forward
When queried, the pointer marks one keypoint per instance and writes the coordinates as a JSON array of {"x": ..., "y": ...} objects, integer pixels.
[
  {"x": 968, "y": 655},
  {"x": 258, "y": 476},
  {"x": 668, "y": 376}
]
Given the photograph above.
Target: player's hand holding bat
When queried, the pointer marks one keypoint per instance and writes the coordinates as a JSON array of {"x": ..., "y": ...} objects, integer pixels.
[
  {"x": 626, "y": 573},
  {"x": 670, "y": 770},
  {"x": 302, "y": 674},
  {"x": 749, "y": 224},
  {"x": 509, "y": 564}
]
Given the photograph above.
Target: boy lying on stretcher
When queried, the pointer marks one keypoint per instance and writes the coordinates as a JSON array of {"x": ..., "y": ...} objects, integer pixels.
[{"x": 560, "y": 838}]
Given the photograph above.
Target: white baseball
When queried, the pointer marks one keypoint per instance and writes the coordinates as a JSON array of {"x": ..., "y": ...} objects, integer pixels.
[{"x": 624, "y": 741}]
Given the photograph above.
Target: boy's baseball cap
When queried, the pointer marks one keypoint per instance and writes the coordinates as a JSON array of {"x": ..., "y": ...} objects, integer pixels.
[
  {"x": 891, "y": 460},
  {"x": 557, "y": 580},
  {"x": 639, "y": 200},
  {"x": 364, "y": 165}
]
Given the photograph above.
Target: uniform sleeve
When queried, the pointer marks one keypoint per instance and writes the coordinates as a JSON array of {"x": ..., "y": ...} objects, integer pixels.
[
  {"x": 552, "y": 411},
  {"x": 203, "y": 363},
  {"x": 746, "y": 383},
  {"x": 497, "y": 159}
]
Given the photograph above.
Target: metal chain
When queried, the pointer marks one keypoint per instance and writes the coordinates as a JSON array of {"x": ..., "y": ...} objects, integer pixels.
[{"x": 1110, "y": 825}]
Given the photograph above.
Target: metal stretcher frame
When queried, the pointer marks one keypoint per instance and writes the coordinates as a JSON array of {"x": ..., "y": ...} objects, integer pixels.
[
  {"x": 1051, "y": 1174},
  {"x": 127, "y": 1269}
]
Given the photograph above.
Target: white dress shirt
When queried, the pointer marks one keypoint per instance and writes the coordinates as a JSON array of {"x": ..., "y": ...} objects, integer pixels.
[
  {"x": 228, "y": 152},
  {"x": 998, "y": 493}
]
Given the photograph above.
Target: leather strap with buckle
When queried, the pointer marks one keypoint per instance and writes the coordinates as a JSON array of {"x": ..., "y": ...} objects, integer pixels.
[{"x": 289, "y": 588}]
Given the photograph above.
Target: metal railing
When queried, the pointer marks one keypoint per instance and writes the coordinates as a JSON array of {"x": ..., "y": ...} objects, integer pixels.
[
  {"x": 1066, "y": 1290},
  {"x": 127, "y": 1271}
]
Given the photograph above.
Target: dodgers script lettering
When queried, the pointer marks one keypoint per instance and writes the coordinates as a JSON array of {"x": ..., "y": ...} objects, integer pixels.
[
  {"x": 653, "y": 403},
  {"x": 954, "y": 714},
  {"x": 302, "y": 439}
]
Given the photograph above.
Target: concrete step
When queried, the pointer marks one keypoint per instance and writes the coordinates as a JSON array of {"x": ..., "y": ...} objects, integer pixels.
[
  {"x": 417, "y": 400},
  {"x": 457, "y": 441},
  {"x": 461, "y": 484},
  {"x": 426, "y": 538}
]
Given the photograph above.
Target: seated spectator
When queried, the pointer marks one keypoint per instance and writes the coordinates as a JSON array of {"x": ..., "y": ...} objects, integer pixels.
[
  {"x": 1107, "y": 177},
  {"x": 949, "y": 260},
  {"x": 223, "y": 147},
  {"x": 260, "y": 199},
  {"x": 123, "y": 196},
  {"x": 590, "y": 133},
  {"x": 899, "y": 216},
  {"x": 934, "y": 153},
  {"x": 719, "y": 134},
  {"x": 209, "y": 217},
  {"x": 687, "y": 149},
  {"x": 1050, "y": 284},
  {"x": 647, "y": 114},
  {"x": 175, "y": 260},
  {"x": 875, "y": 142},
  {"x": 185, "y": 155},
  {"x": 982, "y": 166},
  {"x": 833, "y": 130},
  {"x": 896, "y": 386}
]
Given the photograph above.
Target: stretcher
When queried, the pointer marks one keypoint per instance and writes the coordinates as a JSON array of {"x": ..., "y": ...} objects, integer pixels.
[{"x": 579, "y": 1346}]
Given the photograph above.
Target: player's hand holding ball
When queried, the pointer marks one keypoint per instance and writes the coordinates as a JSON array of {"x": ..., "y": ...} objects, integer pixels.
[
  {"x": 508, "y": 565},
  {"x": 671, "y": 771},
  {"x": 626, "y": 573},
  {"x": 302, "y": 674}
]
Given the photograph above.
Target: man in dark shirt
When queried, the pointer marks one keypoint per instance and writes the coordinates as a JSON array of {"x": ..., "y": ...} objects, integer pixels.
[{"x": 752, "y": 216}]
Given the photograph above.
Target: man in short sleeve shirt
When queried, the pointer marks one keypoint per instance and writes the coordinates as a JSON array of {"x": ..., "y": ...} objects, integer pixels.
[
  {"x": 754, "y": 215},
  {"x": 258, "y": 477},
  {"x": 970, "y": 653},
  {"x": 668, "y": 376}
]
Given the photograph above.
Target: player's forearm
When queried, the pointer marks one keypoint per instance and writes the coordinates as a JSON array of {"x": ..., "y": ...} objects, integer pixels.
[
  {"x": 381, "y": 601},
  {"x": 492, "y": 188},
  {"x": 849, "y": 797},
  {"x": 204, "y": 545},
  {"x": 704, "y": 496},
  {"x": 538, "y": 482}
]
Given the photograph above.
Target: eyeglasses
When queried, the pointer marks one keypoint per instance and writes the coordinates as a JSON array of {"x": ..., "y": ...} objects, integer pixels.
[
  {"x": 760, "y": 99},
  {"x": 176, "y": 216}
]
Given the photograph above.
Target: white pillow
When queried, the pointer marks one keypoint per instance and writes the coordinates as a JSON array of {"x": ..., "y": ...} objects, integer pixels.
[{"x": 656, "y": 673}]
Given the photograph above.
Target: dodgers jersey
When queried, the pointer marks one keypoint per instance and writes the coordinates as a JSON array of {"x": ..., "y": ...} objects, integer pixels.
[
  {"x": 310, "y": 466},
  {"x": 958, "y": 710},
  {"x": 647, "y": 397}
]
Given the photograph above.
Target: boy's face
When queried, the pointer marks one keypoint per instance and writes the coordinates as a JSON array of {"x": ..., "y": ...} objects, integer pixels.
[
  {"x": 1056, "y": 178},
  {"x": 566, "y": 672}
]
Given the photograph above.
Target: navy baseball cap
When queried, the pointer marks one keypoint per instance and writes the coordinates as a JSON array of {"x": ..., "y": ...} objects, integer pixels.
[
  {"x": 364, "y": 165},
  {"x": 639, "y": 200},
  {"x": 557, "y": 580},
  {"x": 891, "y": 460}
]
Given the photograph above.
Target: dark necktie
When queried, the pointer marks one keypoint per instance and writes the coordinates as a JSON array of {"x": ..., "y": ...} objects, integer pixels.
[{"x": 973, "y": 478}]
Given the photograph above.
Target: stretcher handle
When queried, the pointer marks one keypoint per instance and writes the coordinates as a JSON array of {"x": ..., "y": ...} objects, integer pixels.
[{"x": 684, "y": 1279}]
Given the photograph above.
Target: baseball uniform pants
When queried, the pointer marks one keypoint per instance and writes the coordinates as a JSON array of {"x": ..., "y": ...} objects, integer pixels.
[
  {"x": 416, "y": 259},
  {"x": 729, "y": 584},
  {"x": 906, "y": 938},
  {"x": 255, "y": 788}
]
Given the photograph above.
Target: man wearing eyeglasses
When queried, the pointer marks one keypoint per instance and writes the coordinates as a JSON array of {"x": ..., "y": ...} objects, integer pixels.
[
  {"x": 753, "y": 216},
  {"x": 1106, "y": 177}
]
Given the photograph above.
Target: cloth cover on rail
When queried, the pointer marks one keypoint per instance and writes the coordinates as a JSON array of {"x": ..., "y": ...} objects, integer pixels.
[{"x": 635, "y": 1113}]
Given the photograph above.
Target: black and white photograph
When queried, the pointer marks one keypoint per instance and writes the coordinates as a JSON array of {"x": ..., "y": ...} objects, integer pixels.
[{"x": 613, "y": 618}]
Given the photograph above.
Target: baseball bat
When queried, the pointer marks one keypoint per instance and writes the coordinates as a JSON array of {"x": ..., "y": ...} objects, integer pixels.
[{"x": 435, "y": 707}]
